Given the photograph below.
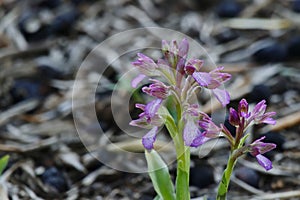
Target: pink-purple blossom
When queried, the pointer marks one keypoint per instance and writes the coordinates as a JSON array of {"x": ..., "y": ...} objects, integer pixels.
[
  {"x": 158, "y": 89},
  {"x": 177, "y": 76},
  {"x": 196, "y": 133},
  {"x": 213, "y": 80},
  {"x": 257, "y": 148},
  {"x": 243, "y": 117},
  {"x": 149, "y": 117},
  {"x": 260, "y": 116}
]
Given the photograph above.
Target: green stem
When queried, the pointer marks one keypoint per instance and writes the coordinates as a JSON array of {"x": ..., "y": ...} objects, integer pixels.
[
  {"x": 175, "y": 128},
  {"x": 223, "y": 186},
  {"x": 183, "y": 171}
]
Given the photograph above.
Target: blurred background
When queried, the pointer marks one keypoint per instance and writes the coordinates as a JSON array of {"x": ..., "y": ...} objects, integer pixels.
[{"x": 44, "y": 42}]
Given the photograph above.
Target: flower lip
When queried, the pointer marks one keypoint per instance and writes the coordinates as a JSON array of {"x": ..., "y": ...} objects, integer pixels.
[
  {"x": 149, "y": 139},
  {"x": 264, "y": 162}
]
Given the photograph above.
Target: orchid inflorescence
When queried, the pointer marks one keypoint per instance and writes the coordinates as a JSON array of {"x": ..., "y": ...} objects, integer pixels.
[
  {"x": 178, "y": 78},
  {"x": 182, "y": 78}
]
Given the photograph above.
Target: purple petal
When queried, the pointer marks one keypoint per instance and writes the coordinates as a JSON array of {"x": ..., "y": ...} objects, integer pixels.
[
  {"x": 269, "y": 121},
  {"x": 152, "y": 107},
  {"x": 221, "y": 77},
  {"x": 189, "y": 69},
  {"x": 222, "y": 96},
  {"x": 264, "y": 162},
  {"x": 158, "y": 89},
  {"x": 140, "y": 106},
  {"x": 150, "y": 138},
  {"x": 233, "y": 117},
  {"x": 259, "y": 147},
  {"x": 266, "y": 118},
  {"x": 199, "y": 140},
  {"x": 190, "y": 132},
  {"x": 259, "y": 108},
  {"x": 193, "y": 65},
  {"x": 259, "y": 140},
  {"x": 146, "y": 65},
  {"x": 202, "y": 78},
  {"x": 183, "y": 48},
  {"x": 137, "y": 80},
  {"x": 141, "y": 122}
]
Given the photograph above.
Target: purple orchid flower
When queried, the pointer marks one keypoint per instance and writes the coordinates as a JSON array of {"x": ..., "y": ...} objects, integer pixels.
[
  {"x": 146, "y": 66},
  {"x": 213, "y": 80},
  {"x": 149, "y": 117},
  {"x": 260, "y": 116},
  {"x": 158, "y": 89},
  {"x": 194, "y": 137},
  {"x": 179, "y": 77},
  {"x": 257, "y": 148},
  {"x": 243, "y": 117}
]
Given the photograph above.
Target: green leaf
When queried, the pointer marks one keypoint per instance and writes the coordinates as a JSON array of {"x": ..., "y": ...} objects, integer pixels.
[
  {"x": 242, "y": 141},
  {"x": 160, "y": 177},
  {"x": 170, "y": 124},
  {"x": 157, "y": 198},
  {"x": 3, "y": 163}
]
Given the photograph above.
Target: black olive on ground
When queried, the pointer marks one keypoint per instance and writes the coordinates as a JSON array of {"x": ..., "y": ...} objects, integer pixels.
[
  {"x": 276, "y": 138},
  {"x": 293, "y": 46},
  {"x": 63, "y": 23},
  {"x": 296, "y": 6},
  {"x": 226, "y": 35},
  {"x": 51, "y": 4},
  {"x": 202, "y": 176},
  {"x": 270, "y": 54},
  {"x": 31, "y": 26},
  {"x": 228, "y": 9},
  {"x": 248, "y": 175},
  {"x": 55, "y": 178},
  {"x": 260, "y": 92}
]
